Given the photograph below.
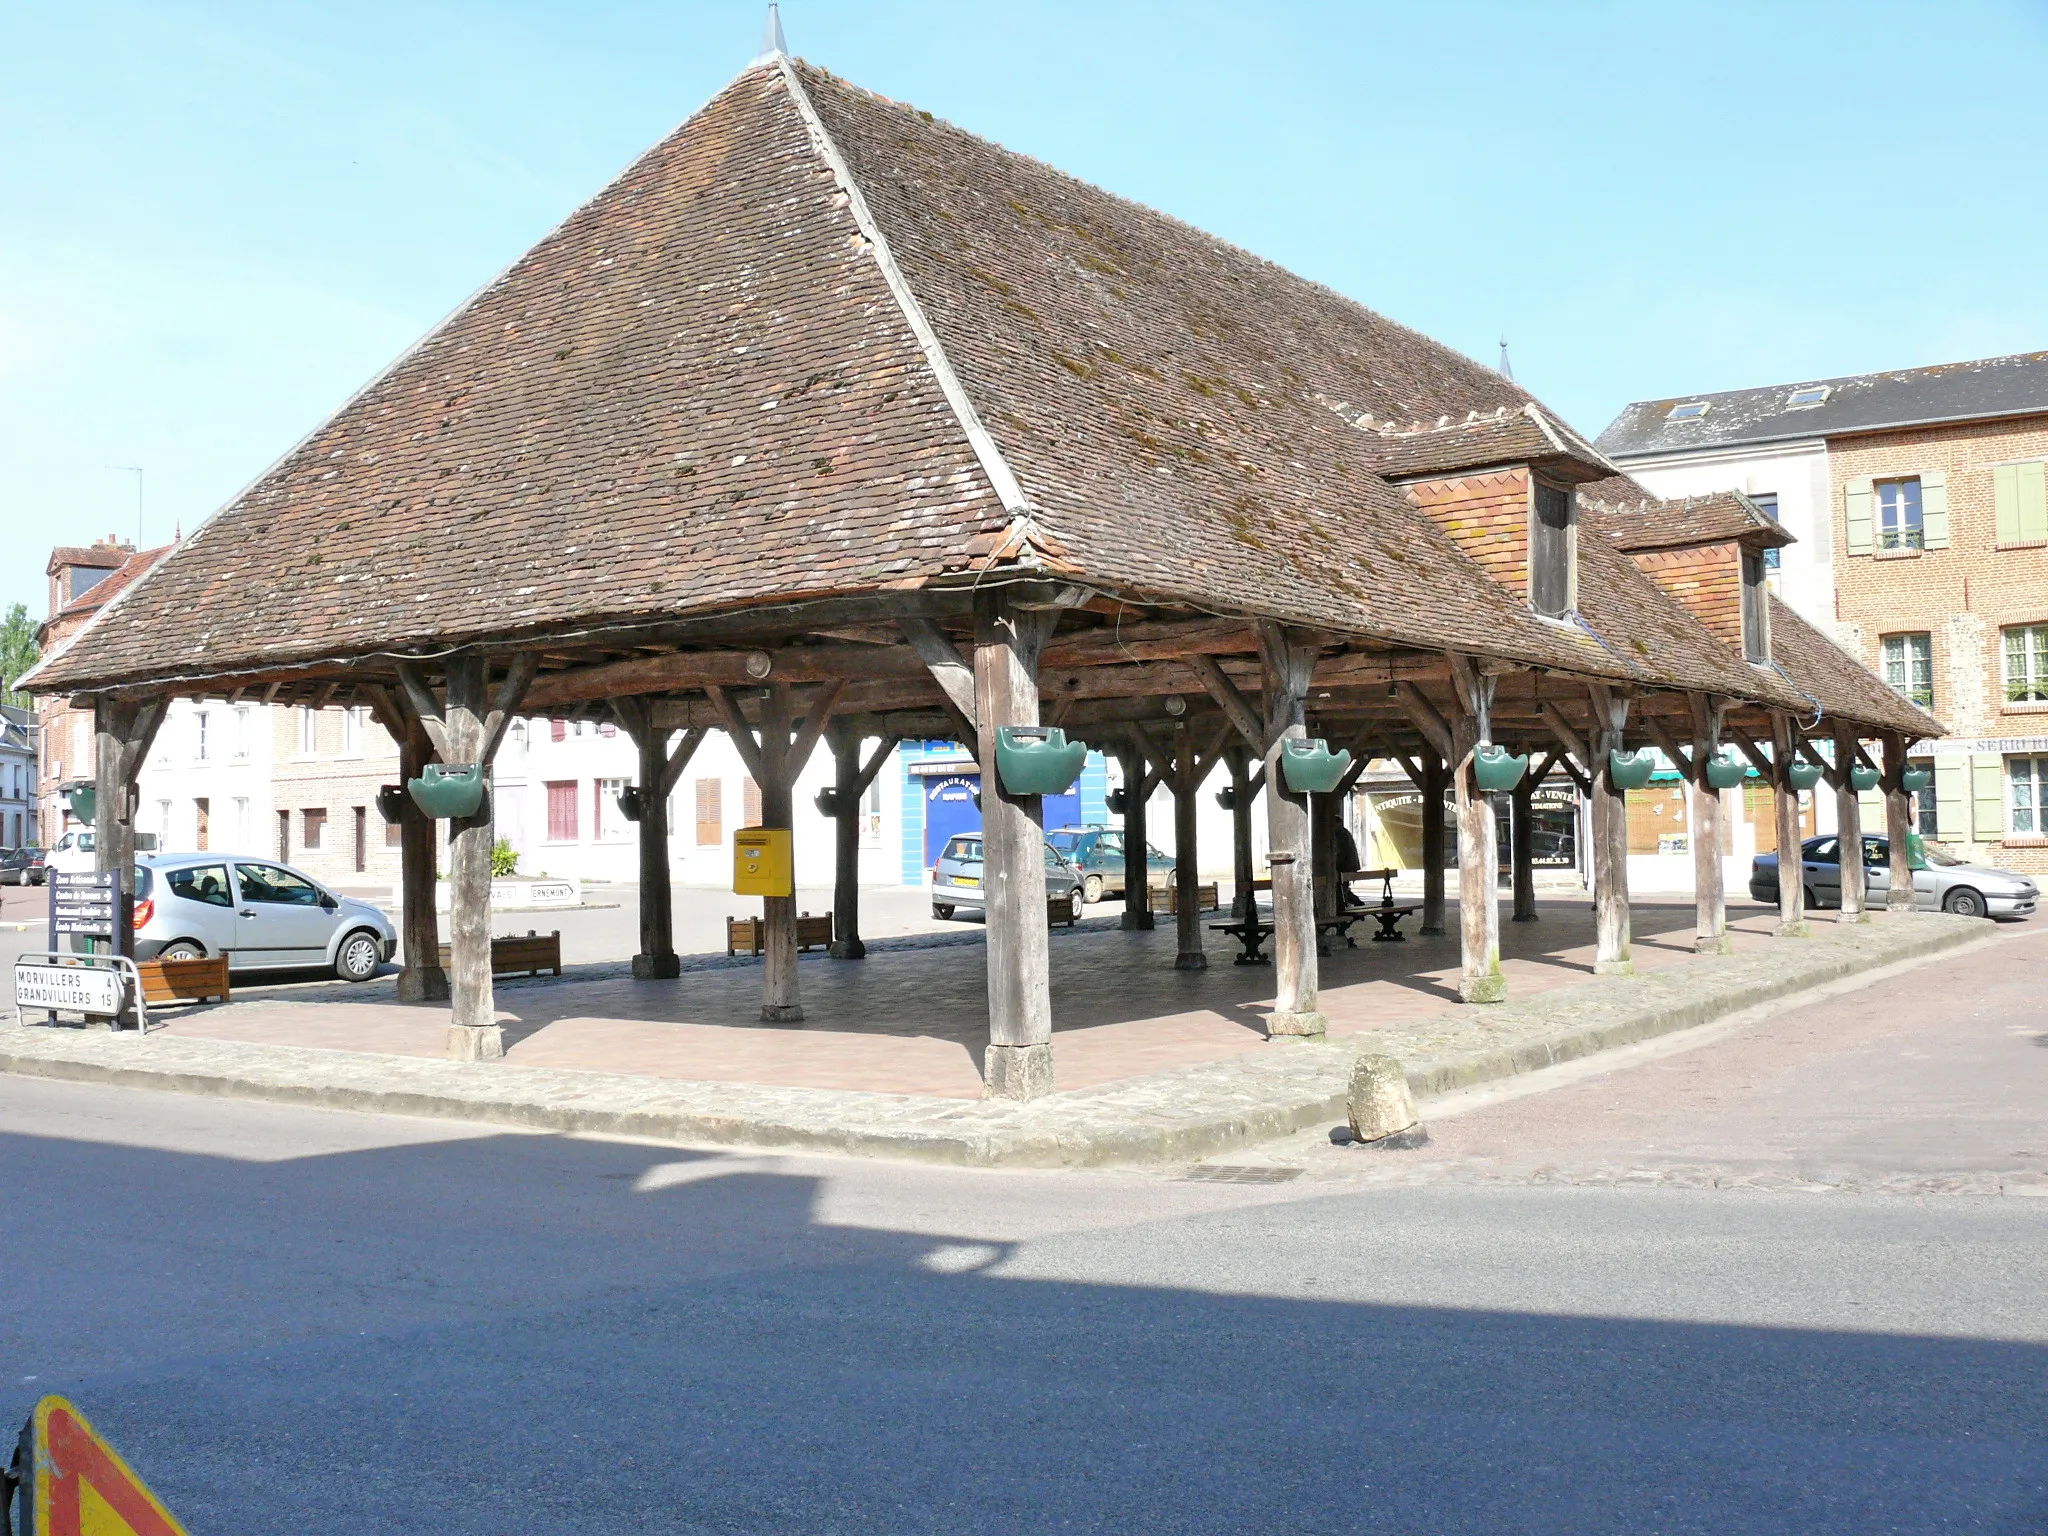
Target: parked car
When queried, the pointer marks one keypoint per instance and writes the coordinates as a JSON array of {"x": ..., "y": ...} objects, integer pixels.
[
  {"x": 1098, "y": 853},
  {"x": 74, "y": 854},
  {"x": 1947, "y": 884},
  {"x": 956, "y": 877},
  {"x": 263, "y": 915},
  {"x": 23, "y": 866}
]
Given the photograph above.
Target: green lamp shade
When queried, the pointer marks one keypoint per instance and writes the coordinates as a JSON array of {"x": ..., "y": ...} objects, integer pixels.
[
  {"x": 1038, "y": 760},
  {"x": 1310, "y": 767},
  {"x": 1725, "y": 770},
  {"x": 1918, "y": 779},
  {"x": 1803, "y": 775},
  {"x": 1631, "y": 770},
  {"x": 84, "y": 803},
  {"x": 448, "y": 791},
  {"x": 1862, "y": 778},
  {"x": 1495, "y": 769}
]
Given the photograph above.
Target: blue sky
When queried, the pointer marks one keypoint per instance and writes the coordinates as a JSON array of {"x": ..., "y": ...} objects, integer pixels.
[{"x": 218, "y": 220}]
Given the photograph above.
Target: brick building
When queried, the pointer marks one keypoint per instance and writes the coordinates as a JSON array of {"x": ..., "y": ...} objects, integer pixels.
[{"x": 1936, "y": 522}]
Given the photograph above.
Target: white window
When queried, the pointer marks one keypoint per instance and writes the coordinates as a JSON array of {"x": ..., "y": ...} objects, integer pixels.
[
  {"x": 241, "y": 824},
  {"x": 2026, "y": 664},
  {"x": 199, "y": 736},
  {"x": 611, "y": 821},
  {"x": 2026, "y": 796},
  {"x": 242, "y": 714},
  {"x": 309, "y": 731},
  {"x": 871, "y": 815},
  {"x": 352, "y": 731},
  {"x": 163, "y": 821},
  {"x": 1899, "y": 519},
  {"x": 1909, "y": 667}
]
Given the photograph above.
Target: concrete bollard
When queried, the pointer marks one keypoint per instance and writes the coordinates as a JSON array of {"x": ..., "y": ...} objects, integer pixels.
[{"x": 1382, "y": 1108}]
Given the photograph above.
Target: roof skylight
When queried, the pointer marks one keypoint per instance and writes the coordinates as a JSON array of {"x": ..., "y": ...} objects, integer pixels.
[
  {"x": 1806, "y": 399},
  {"x": 1690, "y": 410}
]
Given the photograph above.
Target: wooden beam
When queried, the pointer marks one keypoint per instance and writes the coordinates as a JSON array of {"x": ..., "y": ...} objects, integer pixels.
[
  {"x": 942, "y": 659},
  {"x": 742, "y": 734},
  {"x": 1236, "y": 708},
  {"x": 427, "y": 710},
  {"x": 511, "y": 688},
  {"x": 1668, "y": 745},
  {"x": 1428, "y": 720},
  {"x": 1562, "y": 729}
]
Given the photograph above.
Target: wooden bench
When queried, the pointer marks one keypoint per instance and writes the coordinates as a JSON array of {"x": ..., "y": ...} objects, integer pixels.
[
  {"x": 1058, "y": 909},
  {"x": 184, "y": 981},
  {"x": 1251, "y": 933},
  {"x": 525, "y": 954},
  {"x": 747, "y": 935},
  {"x": 1388, "y": 915},
  {"x": 1166, "y": 898}
]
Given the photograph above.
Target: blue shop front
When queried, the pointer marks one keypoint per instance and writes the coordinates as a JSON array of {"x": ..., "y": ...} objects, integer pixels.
[{"x": 940, "y": 783}]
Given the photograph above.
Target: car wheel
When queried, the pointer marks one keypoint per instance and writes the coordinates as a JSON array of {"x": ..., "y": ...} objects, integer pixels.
[
  {"x": 1091, "y": 889},
  {"x": 1074, "y": 903},
  {"x": 358, "y": 957},
  {"x": 943, "y": 911},
  {"x": 1964, "y": 902},
  {"x": 183, "y": 949}
]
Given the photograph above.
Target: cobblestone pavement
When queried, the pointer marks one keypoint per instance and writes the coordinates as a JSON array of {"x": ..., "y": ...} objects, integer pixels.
[{"x": 1928, "y": 1081}]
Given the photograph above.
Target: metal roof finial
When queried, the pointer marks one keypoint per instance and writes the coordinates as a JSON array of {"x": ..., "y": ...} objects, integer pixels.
[
  {"x": 772, "y": 44},
  {"x": 1505, "y": 371}
]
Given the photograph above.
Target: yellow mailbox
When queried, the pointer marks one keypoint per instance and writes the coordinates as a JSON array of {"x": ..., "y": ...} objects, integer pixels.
[{"x": 762, "y": 862}]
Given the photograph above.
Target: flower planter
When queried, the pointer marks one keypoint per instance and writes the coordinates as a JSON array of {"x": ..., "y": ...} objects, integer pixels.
[
  {"x": 1631, "y": 770},
  {"x": 1495, "y": 769},
  {"x": 1862, "y": 778},
  {"x": 1803, "y": 775},
  {"x": 1725, "y": 770},
  {"x": 1038, "y": 760},
  {"x": 1917, "y": 779},
  {"x": 1310, "y": 767},
  {"x": 448, "y": 792}
]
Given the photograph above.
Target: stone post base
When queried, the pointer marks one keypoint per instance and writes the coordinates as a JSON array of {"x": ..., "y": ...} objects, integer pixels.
[
  {"x": 1483, "y": 989},
  {"x": 851, "y": 949},
  {"x": 423, "y": 984},
  {"x": 1017, "y": 1071},
  {"x": 470, "y": 1042},
  {"x": 1523, "y": 917},
  {"x": 782, "y": 1013},
  {"x": 1713, "y": 944},
  {"x": 1904, "y": 904},
  {"x": 1429, "y": 931},
  {"x": 1296, "y": 1026},
  {"x": 1380, "y": 1105},
  {"x": 656, "y": 967},
  {"x": 1136, "y": 922},
  {"x": 1853, "y": 917},
  {"x": 1622, "y": 967},
  {"x": 1194, "y": 961},
  {"x": 1797, "y": 930}
]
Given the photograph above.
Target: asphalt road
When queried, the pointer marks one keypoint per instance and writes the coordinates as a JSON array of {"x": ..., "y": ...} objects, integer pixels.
[{"x": 304, "y": 1321}]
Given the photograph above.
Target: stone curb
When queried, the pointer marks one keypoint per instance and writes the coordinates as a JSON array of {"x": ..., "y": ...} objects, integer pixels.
[{"x": 1183, "y": 1115}]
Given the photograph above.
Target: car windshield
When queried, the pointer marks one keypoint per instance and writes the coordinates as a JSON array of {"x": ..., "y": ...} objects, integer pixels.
[
  {"x": 1066, "y": 842},
  {"x": 1945, "y": 860},
  {"x": 964, "y": 848}
]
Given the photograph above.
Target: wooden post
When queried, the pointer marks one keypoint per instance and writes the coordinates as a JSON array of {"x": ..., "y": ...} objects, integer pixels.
[
  {"x": 1019, "y": 1065},
  {"x": 1288, "y": 667},
  {"x": 1434, "y": 771},
  {"x": 1480, "y": 979},
  {"x": 419, "y": 925},
  {"x": 1522, "y": 853},
  {"x": 1849, "y": 828},
  {"x": 1322, "y": 836},
  {"x": 658, "y": 772},
  {"x": 1612, "y": 953},
  {"x": 1244, "y": 902},
  {"x": 1137, "y": 865},
  {"x": 1710, "y": 896},
  {"x": 1791, "y": 855},
  {"x": 466, "y": 728},
  {"x": 1187, "y": 875},
  {"x": 1898, "y": 825},
  {"x": 122, "y": 732},
  {"x": 851, "y": 779}
]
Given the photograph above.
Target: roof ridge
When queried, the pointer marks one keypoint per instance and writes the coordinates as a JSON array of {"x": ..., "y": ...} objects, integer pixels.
[{"x": 1002, "y": 479}]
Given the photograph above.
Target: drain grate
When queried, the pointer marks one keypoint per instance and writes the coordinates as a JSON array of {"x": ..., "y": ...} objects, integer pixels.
[{"x": 1223, "y": 1173}]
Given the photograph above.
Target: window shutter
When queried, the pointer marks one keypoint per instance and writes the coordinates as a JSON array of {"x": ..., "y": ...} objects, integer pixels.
[
  {"x": 2031, "y": 486},
  {"x": 1987, "y": 796},
  {"x": 1871, "y": 804},
  {"x": 750, "y": 803},
  {"x": 558, "y": 730},
  {"x": 1857, "y": 496},
  {"x": 1951, "y": 795},
  {"x": 1934, "y": 511},
  {"x": 2005, "y": 502},
  {"x": 710, "y": 813}
]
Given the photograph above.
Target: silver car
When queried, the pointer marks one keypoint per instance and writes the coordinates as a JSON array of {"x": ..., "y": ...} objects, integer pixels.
[
  {"x": 1947, "y": 884},
  {"x": 263, "y": 915},
  {"x": 956, "y": 878}
]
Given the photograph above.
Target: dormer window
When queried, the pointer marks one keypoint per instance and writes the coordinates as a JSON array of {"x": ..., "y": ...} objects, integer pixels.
[
  {"x": 1553, "y": 551},
  {"x": 1690, "y": 410},
  {"x": 1756, "y": 608}
]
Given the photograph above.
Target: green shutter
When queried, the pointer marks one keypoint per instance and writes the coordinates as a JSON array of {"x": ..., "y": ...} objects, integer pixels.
[
  {"x": 2032, "y": 488},
  {"x": 1951, "y": 797},
  {"x": 2005, "y": 502},
  {"x": 1934, "y": 511},
  {"x": 1857, "y": 495},
  {"x": 1987, "y": 796}
]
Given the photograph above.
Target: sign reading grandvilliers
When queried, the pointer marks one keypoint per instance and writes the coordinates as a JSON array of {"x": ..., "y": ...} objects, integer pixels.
[
  {"x": 76, "y": 988},
  {"x": 82, "y": 905}
]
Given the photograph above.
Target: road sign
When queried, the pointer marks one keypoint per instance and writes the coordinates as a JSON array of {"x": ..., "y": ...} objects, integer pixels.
[
  {"x": 78, "y": 1485},
  {"x": 72, "y": 987},
  {"x": 82, "y": 904}
]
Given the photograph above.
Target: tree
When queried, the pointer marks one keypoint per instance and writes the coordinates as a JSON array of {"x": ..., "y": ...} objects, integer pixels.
[{"x": 18, "y": 651}]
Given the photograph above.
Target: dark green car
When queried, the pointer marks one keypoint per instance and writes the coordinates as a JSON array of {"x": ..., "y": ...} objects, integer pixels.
[{"x": 1098, "y": 853}]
